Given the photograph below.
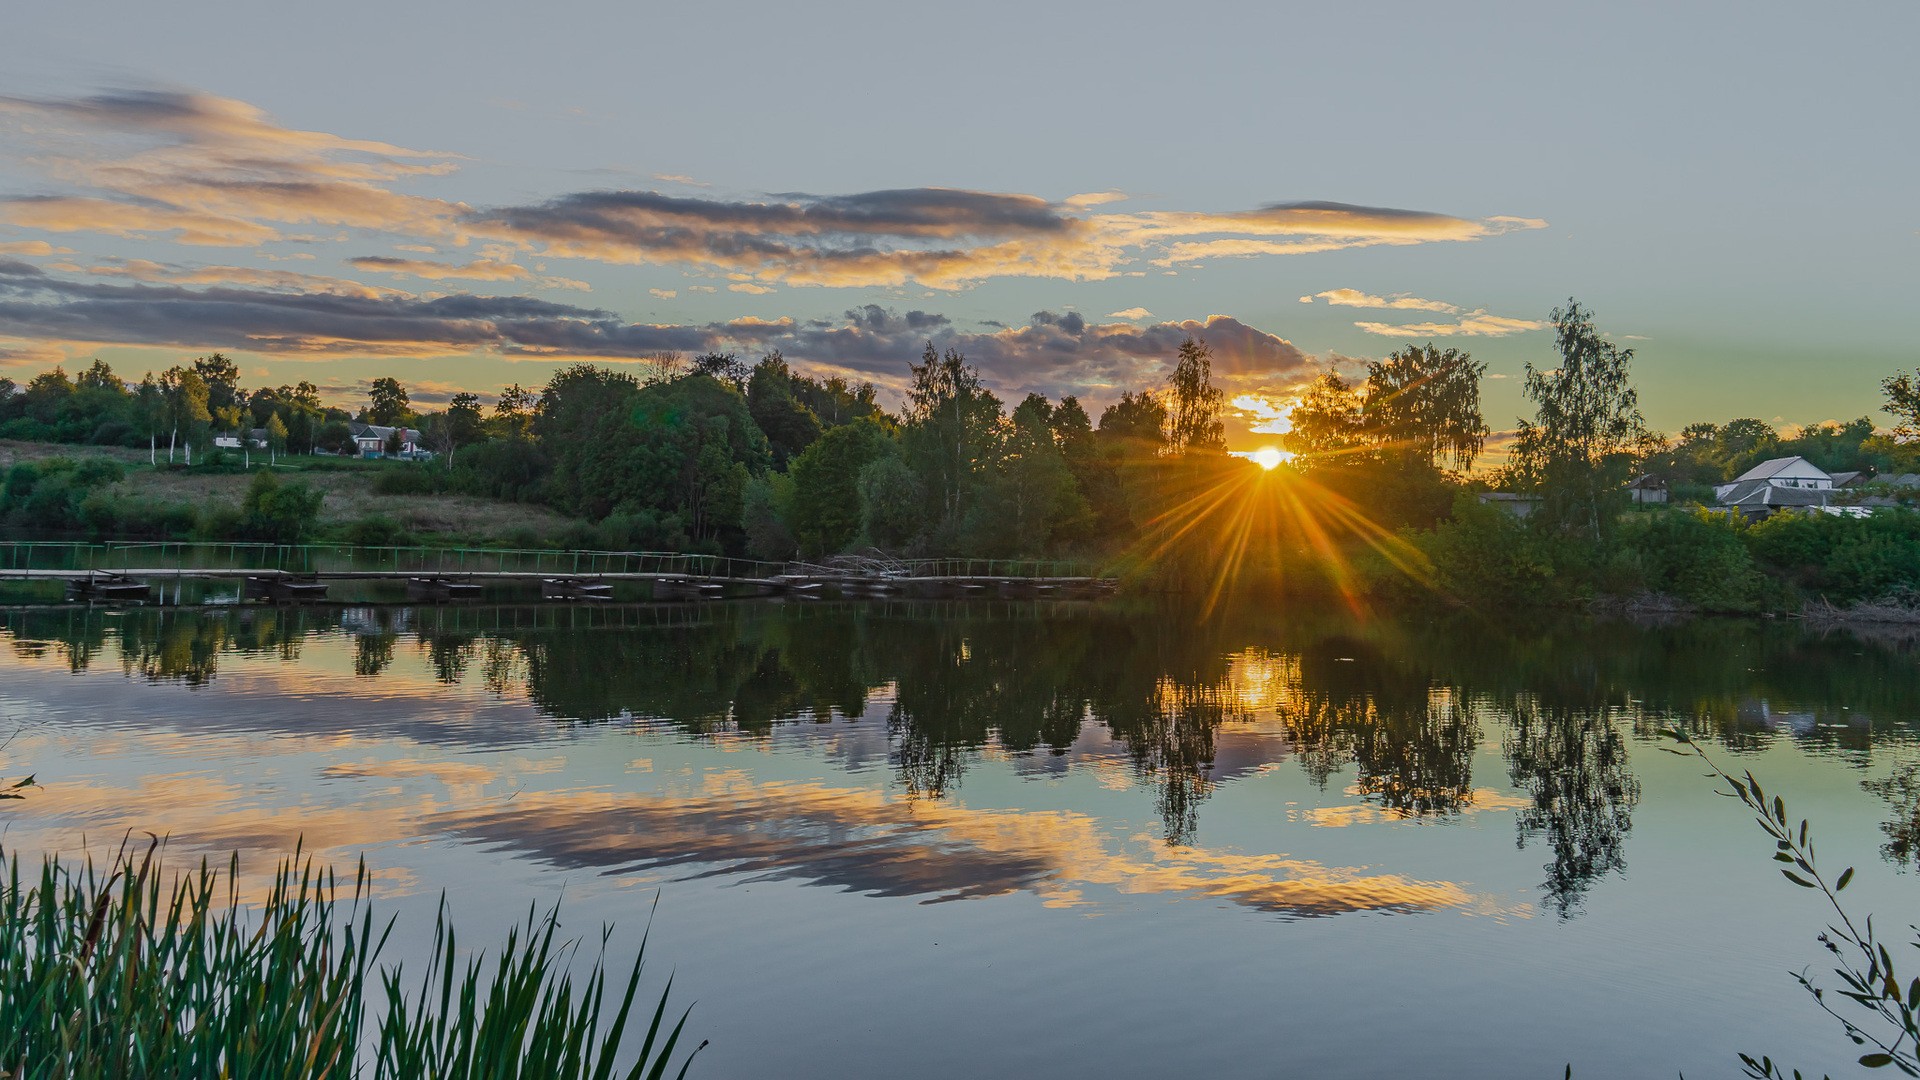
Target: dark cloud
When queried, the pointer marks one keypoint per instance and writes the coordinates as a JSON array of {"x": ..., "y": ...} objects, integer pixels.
[
  {"x": 1070, "y": 323},
  {"x": 1054, "y": 354}
]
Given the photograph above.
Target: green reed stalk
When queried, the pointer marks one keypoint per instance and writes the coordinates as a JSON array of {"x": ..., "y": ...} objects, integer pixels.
[{"x": 124, "y": 976}]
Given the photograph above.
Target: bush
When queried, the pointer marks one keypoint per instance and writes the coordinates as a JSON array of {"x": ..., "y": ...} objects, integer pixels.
[
  {"x": 1485, "y": 555},
  {"x": 279, "y": 512},
  {"x": 410, "y": 480},
  {"x": 1700, "y": 557},
  {"x": 377, "y": 530},
  {"x": 1843, "y": 559}
]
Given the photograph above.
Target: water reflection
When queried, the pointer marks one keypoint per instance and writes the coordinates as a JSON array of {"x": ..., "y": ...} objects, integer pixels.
[{"x": 1395, "y": 716}]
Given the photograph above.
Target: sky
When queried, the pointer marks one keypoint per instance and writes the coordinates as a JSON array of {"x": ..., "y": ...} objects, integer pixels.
[{"x": 469, "y": 195}]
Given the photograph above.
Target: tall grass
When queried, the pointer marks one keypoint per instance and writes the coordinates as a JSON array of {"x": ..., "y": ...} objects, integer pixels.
[{"x": 123, "y": 975}]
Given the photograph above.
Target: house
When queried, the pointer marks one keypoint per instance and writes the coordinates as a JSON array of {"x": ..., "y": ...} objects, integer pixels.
[
  {"x": 256, "y": 438},
  {"x": 372, "y": 439},
  {"x": 1852, "y": 479},
  {"x": 1777, "y": 484},
  {"x": 1647, "y": 489},
  {"x": 1793, "y": 473},
  {"x": 1519, "y": 506}
]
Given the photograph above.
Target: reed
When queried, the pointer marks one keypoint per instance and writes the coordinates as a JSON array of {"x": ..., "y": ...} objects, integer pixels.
[{"x": 124, "y": 974}]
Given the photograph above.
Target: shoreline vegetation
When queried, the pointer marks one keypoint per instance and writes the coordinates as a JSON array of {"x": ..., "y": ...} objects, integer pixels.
[
  {"x": 134, "y": 972},
  {"x": 1371, "y": 498}
]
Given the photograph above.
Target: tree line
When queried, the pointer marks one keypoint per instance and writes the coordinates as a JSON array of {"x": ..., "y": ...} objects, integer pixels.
[{"x": 715, "y": 454}]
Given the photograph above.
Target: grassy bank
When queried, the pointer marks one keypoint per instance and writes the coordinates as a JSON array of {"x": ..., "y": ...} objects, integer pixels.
[
  {"x": 132, "y": 499},
  {"x": 132, "y": 972}
]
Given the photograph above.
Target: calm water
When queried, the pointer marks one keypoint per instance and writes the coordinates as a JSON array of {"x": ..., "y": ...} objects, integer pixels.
[{"x": 956, "y": 841}]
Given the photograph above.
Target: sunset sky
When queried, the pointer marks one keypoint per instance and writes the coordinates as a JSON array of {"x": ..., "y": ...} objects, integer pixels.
[{"x": 469, "y": 195}]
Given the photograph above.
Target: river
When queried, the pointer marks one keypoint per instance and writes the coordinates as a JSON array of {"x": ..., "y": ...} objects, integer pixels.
[{"x": 1035, "y": 839}]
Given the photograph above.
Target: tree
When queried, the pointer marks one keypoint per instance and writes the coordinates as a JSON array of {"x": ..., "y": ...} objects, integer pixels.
[
  {"x": 222, "y": 379},
  {"x": 891, "y": 503},
  {"x": 513, "y": 413},
  {"x": 1035, "y": 494},
  {"x": 724, "y": 366},
  {"x": 1137, "y": 421},
  {"x": 100, "y": 376},
  {"x": 952, "y": 433},
  {"x": 276, "y": 437},
  {"x": 1423, "y": 402},
  {"x": 1903, "y": 401},
  {"x": 185, "y": 395},
  {"x": 1194, "y": 403},
  {"x": 462, "y": 424},
  {"x": 1579, "y": 446},
  {"x": 1326, "y": 423},
  {"x": 150, "y": 405},
  {"x": 827, "y": 509},
  {"x": 387, "y": 403},
  {"x": 789, "y": 425},
  {"x": 279, "y": 512}
]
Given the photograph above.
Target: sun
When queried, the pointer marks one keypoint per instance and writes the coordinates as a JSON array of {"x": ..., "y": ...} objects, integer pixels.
[{"x": 1268, "y": 457}]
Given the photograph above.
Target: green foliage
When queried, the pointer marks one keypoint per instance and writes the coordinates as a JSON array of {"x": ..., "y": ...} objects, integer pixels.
[
  {"x": 1843, "y": 559},
  {"x": 387, "y": 403},
  {"x": 1875, "y": 1009},
  {"x": 826, "y": 504},
  {"x": 59, "y": 496},
  {"x": 951, "y": 438},
  {"x": 129, "y": 977},
  {"x": 377, "y": 530},
  {"x": 1423, "y": 403},
  {"x": 891, "y": 503},
  {"x": 1578, "y": 450},
  {"x": 765, "y": 508},
  {"x": 1700, "y": 557},
  {"x": 409, "y": 480},
  {"x": 1484, "y": 555},
  {"x": 279, "y": 512},
  {"x": 1194, "y": 404}
]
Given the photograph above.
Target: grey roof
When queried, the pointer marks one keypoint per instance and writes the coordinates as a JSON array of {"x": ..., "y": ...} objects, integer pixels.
[
  {"x": 1775, "y": 466},
  {"x": 1506, "y": 496},
  {"x": 1754, "y": 494},
  {"x": 1900, "y": 480},
  {"x": 1842, "y": 479},
  {"x": 1648, "y": 482},
  {"x": 381, "y": 432}
]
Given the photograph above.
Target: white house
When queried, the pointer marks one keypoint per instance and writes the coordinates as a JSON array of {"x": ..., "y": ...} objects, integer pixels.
[
  {"x": 1776, "y": 484},
  {"x": 372, "y": 440}
]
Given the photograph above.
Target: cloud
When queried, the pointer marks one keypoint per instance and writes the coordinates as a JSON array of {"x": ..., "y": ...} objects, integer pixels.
[
  {"x": 867, "y": 842},
  {"x": 287, "y": 280},
  {"x": 1267, "y": 416},
  {"x": 32, "y": 247},
  {"x": 1473, "y": 324},
  {"x": 1132, "y": 314},
  {"x": 477, "y": 270},
  {"x": 664, "y": 294},
  {"x": 213, "y": 171},
  {"x": 749, "y": 288},
  {"x": 1356, "y": 298},
  {"x": 1054, "y": 353}
]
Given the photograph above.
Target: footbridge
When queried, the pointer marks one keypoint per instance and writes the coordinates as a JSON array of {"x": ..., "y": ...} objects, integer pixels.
[{"x": 153, "y": 572}]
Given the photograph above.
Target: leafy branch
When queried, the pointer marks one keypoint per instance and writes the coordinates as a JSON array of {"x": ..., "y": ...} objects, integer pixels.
[{"x": 1890, "y": 1026}]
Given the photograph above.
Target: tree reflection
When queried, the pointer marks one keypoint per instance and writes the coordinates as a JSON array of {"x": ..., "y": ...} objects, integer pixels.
[
  {"x": 1902, "y": 792},
  {"x": 1572, "y": 764}
]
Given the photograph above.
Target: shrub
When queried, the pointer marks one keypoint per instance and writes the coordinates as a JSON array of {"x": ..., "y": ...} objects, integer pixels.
[
  {"x": 279, "y": 512},
  {"x": 1486, "y": 555},
  {"x": 377, "y": 530},
  {"x": 1700, "y": 557}
]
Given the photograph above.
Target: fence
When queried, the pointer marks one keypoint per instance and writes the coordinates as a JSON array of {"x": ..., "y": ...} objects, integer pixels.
[{"x": 347, "y": 559}]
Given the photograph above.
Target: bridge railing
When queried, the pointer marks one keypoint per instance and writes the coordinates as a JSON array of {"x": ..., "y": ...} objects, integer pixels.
[{"x": 345, "y": 558}]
